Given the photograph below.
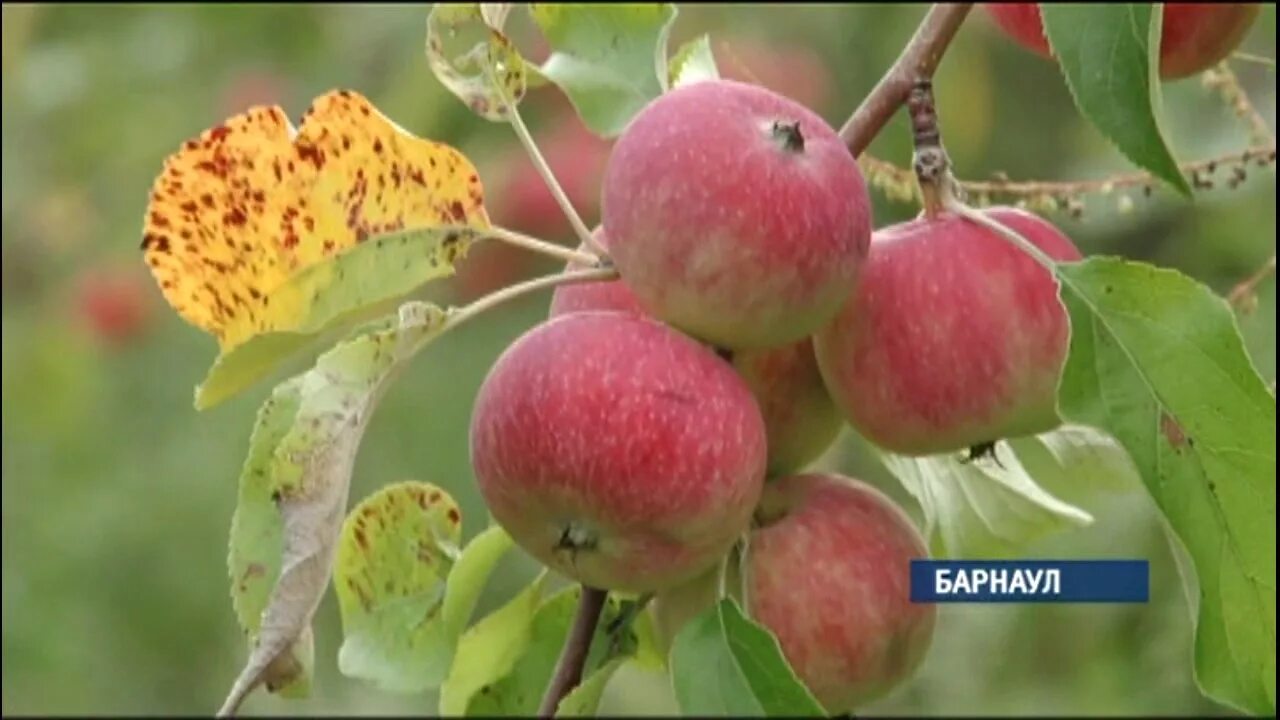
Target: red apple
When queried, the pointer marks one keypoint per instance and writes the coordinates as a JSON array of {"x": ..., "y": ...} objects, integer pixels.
[
  {"x": 735, "y": 214},
  {"x": 113, "y": 304},
  {"x": 800, "y": 418},
  {"x": 952, "y": 338},
  {"x": 828, "y": 573},
  {"x": 617, "y": 451},
  {"x": 1194, "y": 36}
]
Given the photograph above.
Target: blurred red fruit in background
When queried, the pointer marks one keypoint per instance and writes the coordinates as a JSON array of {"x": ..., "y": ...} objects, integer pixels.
[
  {"x": 791, "y": 70},
  {"x": 113, "y": 304}
]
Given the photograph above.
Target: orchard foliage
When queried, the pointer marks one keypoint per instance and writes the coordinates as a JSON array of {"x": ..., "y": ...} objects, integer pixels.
[{"x": 304, "y": 244}]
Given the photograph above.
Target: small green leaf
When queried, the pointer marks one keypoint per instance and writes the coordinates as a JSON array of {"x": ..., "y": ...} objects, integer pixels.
[
  {"x": 394, "y": 554},
  {"x": 988, "y": 507},
  {"x": 584, "y": 700},
  {"x": 491, "y": 648},
  {"x": 468, "y": 576},
  {"x": 473, "y": 59},
  {"x": 519, "y": 691},
  {"x": 694, "y": 62},
  {"x": 1109, "y": 55},
  {"x": 611, "y": 60},
  {"x": 352, "y": 287},
  {"x": 723, "y": 664},
  {"x": 1156, "y": 360},
  {"x": 301, "y": 457}
]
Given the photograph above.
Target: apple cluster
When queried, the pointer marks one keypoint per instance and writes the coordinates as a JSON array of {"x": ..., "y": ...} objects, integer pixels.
[{"x": 654, "y": 421}]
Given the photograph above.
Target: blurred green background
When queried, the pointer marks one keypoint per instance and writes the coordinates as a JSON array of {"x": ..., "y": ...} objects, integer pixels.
[{"x": 118, "y": 495}]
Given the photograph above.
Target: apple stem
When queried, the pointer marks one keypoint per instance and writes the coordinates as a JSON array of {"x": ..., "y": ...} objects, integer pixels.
[
  {"x": 573, "y": 656},
  {"x": 458, "y": 316},
  {"x": 938, "y": 186},
  {"x": 930, "y": 162},
  {"x": 528, "y": 242},
  {"x": 540, "y": 163},
  {"x": 788, "y": 135}
]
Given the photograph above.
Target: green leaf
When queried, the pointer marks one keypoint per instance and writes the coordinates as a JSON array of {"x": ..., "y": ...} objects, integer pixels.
[
  {"x": 694, "y": 62},
  {"x": 611, "y": 60},
  {"x": 1109, "y": 55},
  {"x": 339, "y": 293},
  {"x": 396, "y": 549},
  {"x": 1078, "y": 464},
  {"x": 519, "y": 691},
  {"x": 1156, "y": 360},
  {"x": 468, "y": 576},
  {"x": 584, "y": 700},
  {"x": 723, "y": 664},
  {"x": 988, "y": 507},
  {"x": 257, "y": 528},
  {"x": 490, "y": 649},
  {"x": 490, "y": 72},
  {"x": 301, "y": 457}
]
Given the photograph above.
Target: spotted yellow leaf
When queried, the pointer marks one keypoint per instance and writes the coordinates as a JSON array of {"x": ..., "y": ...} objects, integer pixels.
[{"x": 249, "y": 204}]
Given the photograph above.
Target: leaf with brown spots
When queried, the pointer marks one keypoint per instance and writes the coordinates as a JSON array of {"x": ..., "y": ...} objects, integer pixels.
[
  {"x": 241, "y": 209},
  {"x": 1156, "y": 361},
  {"x": 395, "y": 553},
  {"x": 294, "y": 491},
  {"x": 257, "y": 529},
  {"x": 489, "y": 72},
  {"x": 360, "y": 284}
]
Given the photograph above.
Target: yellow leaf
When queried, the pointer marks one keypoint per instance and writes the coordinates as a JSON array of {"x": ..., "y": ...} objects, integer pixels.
[{"x": 248, "y": 203}]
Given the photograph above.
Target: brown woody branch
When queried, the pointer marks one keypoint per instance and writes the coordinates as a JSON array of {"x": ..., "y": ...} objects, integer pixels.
[
  {"x": 573, "y": 656},
  {"x": 919, "y": 60}
]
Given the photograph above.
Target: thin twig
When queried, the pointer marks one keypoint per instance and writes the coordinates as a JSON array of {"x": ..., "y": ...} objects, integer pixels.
[
  {"x": 1243, "y": 296},
  {"x": 573, "y": 657},
  {"x": 1255, "y": 59},
  {"x": 1222, "y": 79},
  {"x": 461, "y": 315},
  {"x": 898, "y": 182},
  {"x": 540, "y": 163},
  {"x": 528, "y": 242},
  {"x": 918, "y": 61}
]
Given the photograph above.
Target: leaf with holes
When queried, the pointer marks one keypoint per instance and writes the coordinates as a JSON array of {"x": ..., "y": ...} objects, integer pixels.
[
  {"x": 396, "y": 550},
  {"x": 611, "y": 60},
  {"x": 244, "y": 223},
  {"x": 987, "y": 506},
  {"x": 1156, "y": 360},
  {"x": 694, "y": 62},
  {"x": 301, "y": 457},
  {"x": 724, "y": 664},
  {"x": 1109, "y": 55},
  {"x": 473, "y": 59}
]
